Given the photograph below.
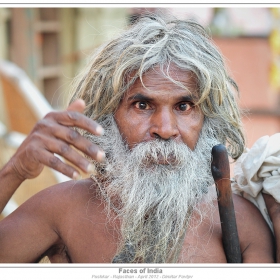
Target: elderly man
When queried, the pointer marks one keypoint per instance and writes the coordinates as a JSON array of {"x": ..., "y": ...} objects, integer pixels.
[{"x": 162, "y": 95}]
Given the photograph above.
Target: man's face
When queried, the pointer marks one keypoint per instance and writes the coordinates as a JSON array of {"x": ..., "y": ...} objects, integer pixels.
[
  {"x": 161, "y": 109},
  {"x": 153, "y": 186}
]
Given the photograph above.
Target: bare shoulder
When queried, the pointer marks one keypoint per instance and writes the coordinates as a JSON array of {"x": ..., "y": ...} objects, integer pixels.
[
  {"x": 72, "y": 191},
  {"x": 68, "y": 199},
  {"x": 80, "y": 220},
  {"x": 52, "y": 221},
  {"x": 256, "y": 239},
  {"x": 248, "y": 215},
  {"x": 203, "y": 242},
  {"x": 54, "y": 204},
  {"x": 60, "y": 196}
]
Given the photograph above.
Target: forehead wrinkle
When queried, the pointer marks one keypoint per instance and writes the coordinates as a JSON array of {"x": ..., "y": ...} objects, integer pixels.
[
  {"x": 145, "y": 97},
  {"x": 140, "y": 96},
  {"x": 186, "y": 83}
]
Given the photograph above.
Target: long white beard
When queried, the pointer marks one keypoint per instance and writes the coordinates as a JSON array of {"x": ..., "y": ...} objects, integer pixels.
[{"x": 154, "y": 201}]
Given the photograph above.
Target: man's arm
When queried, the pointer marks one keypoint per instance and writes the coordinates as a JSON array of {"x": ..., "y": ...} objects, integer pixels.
[
  {"x": 273, "y": 208},
  {"x": 52, "y": 135},
  {"x": 256, "y": 239},
  {"x": 34, "y": 227}
]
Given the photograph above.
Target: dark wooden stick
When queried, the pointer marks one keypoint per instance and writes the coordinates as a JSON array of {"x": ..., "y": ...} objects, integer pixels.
[{"x": 221, "y": 174}]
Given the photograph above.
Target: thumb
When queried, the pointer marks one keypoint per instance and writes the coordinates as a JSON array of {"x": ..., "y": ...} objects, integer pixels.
[{"x": 78, "y": 106}]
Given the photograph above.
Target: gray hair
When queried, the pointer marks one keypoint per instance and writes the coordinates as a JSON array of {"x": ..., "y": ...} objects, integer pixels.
[{"x": 157, "y": 41}]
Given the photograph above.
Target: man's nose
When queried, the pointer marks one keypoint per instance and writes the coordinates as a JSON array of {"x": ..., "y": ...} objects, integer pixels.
[{"x": 164, "y": 125}]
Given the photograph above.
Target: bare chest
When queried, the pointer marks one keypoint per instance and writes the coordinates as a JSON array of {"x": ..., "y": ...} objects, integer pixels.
[{"x": 96, "y": 242}]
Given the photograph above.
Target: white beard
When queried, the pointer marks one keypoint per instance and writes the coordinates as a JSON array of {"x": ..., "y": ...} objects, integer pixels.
[{"x": 154, "y": 201}]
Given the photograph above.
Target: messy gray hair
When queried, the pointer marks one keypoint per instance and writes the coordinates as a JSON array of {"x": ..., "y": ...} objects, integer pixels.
[{"x": 158, "y": 41}]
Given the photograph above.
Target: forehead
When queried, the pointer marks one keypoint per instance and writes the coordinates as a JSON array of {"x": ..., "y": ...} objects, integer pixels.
[{"x": 170, "y": 81}]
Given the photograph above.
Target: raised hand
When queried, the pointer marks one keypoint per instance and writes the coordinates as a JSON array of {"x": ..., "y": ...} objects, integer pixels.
[{"x": 54, "y": 135}]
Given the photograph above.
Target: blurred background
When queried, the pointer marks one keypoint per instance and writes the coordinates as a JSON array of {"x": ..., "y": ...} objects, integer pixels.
[{"x": 51, "y": 45}]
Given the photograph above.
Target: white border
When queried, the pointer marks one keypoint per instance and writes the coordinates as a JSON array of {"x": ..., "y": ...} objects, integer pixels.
[{"x": 87, "y": 271}]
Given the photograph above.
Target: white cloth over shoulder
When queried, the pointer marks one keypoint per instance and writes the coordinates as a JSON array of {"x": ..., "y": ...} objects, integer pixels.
[{"x": 257, "y": 171}]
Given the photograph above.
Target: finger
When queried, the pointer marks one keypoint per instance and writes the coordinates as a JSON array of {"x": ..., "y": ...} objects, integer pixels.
[
  {"x": 55, "y": 163},
  {"x": 70, "y": 136},
  {"x": 72, "y": 118},
  {"x": 63, "y": 149},
  {"x": 78, "y": 106},
  {"x": 46, "y": 130}
]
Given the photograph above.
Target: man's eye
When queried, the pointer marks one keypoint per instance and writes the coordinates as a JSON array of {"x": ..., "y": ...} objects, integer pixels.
[
  {"x": 184, "y": 107},
  {"x": 142, "y": 105}
]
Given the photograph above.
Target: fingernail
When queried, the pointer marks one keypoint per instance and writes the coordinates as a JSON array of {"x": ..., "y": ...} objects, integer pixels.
[
  {"x": 100, "y": 156},
  {"x": 100, "y": 130},
  {"x": 76, "y": 176},
  {"x": 91, "y": 168}
]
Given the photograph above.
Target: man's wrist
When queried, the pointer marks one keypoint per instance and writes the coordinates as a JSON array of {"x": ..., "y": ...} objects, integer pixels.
[
  {"x": 10, "y": 181},
  {"x": 10, "y": 173}
]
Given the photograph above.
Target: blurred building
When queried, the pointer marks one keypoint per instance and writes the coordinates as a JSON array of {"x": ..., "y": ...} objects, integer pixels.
[{"x": 51, "y": 44}]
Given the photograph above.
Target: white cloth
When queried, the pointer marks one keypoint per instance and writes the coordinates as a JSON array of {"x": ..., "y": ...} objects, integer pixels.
[{"x": 257, "y": 171}]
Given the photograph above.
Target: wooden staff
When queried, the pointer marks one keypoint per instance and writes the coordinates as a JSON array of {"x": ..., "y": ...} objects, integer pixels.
[{"x": 221, "y": 174}]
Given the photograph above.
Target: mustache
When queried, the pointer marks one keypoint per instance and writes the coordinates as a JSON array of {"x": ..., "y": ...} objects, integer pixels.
[{"x": 161, "y": 152}]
